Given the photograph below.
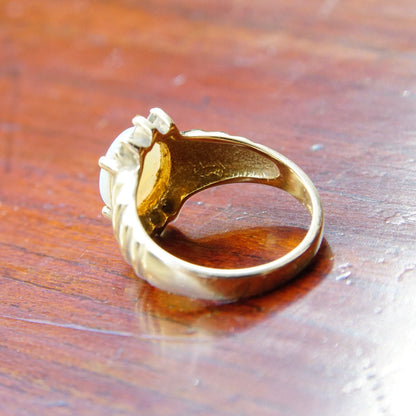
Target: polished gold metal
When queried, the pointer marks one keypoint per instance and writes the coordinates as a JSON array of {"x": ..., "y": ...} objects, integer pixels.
[{"x": 153, "y": 168}]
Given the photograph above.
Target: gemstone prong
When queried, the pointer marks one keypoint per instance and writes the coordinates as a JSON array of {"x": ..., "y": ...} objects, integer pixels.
[
  {"x": 128, "y": 145},
  {"x": 160, "y": 120},
  {"x": 107, "y": 164},
  {"x": 144, "y": 123},
  {"x": 107, "y": 212}
]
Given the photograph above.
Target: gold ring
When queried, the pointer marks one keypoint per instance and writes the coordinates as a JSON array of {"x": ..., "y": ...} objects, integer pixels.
[{"x": 152, "y": 168}]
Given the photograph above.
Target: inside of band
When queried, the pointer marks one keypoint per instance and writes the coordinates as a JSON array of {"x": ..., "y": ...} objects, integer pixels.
[{"x": 176, "y": 167}]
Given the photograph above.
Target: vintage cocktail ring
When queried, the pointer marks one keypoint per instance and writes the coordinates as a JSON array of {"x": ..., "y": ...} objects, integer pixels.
[{"x": 152, "y": 168}]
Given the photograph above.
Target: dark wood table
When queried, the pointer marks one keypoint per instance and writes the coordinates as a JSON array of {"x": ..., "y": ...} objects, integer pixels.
[{"x": 330, "y": 84}]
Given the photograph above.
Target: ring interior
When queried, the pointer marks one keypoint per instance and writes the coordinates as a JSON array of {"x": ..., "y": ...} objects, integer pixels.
[{"x": 176, "y": 167}]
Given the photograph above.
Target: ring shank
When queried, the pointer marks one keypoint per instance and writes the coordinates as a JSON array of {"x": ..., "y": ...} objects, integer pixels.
[{"x": 243, "y": 161}]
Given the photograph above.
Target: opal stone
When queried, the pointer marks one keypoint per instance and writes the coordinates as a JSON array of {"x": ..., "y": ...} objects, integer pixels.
[{"x": 105, "y": 177}]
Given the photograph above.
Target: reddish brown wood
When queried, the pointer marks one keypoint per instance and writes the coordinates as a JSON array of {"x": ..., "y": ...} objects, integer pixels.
[{"x": 330, "y": 84}]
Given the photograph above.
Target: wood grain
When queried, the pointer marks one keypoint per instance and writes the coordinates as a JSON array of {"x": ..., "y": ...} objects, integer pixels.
[{"x": 330, "y": 84}]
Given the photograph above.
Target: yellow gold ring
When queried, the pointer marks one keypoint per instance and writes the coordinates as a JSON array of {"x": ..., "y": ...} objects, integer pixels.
[{"x": 152, "y": 168}]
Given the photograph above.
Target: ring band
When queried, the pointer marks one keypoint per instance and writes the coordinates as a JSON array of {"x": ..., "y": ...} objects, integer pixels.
[{"x": 152, "y": 168}]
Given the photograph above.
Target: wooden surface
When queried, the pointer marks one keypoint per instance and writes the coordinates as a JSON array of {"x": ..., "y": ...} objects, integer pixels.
[{"x": 330, "y": 84}]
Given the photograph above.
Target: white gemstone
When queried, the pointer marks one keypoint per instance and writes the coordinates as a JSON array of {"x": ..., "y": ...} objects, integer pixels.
[{"x": 105, "y": 177}]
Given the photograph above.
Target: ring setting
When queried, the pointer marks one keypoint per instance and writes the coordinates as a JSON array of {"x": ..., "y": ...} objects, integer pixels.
[{"x": 152, "y": 168}]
